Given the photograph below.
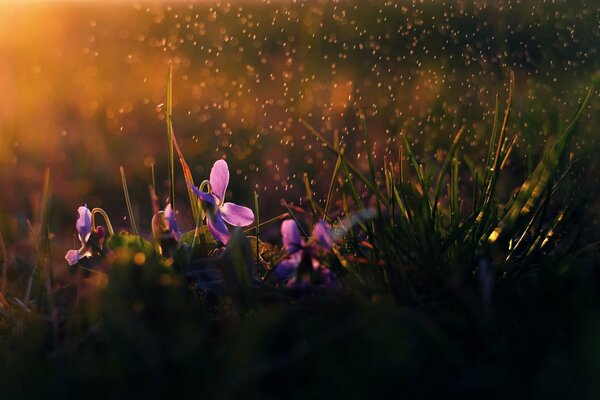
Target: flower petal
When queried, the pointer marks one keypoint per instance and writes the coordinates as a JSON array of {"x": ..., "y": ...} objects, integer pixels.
[
  {"x": 207, "y": 197},
  {"x": 321, "y": 235},
  {"x": 286, "y": 269},
  {"x": 217, "y": 227},
  {"x": 290, "y": 236},
  {"x": 72, "y": 257},
  {"x": 237, "y": 215},
  {"x": 219, "y": 178},
  {"x": 84, "y": 223},
  {"x": 172, "y": 222}
]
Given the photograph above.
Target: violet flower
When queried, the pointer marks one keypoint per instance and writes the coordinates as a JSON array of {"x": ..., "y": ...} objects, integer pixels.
[
  {"x": 171, "y": 223},
  {"x": 303, "y": 267},
  {"x": 166, "y": 231},
  {"x": 218, "y": 211},
  {"x": 84, "y": 230}
]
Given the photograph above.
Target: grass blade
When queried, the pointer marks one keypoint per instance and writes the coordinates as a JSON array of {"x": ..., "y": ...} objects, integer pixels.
[
  {"x": 336, "y": 169},
  {"x": 128, "y": 201},
  {"x": 197, "y": 211},
  {"x": 446, "y": 166},
  {"x": 171, "y": 160}
]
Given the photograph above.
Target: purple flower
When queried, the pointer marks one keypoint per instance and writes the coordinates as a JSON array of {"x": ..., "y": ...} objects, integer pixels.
[
  {"x": 218, "y": 211},
  {"x": 303, "y": 267},
  {"x": 84, "y": 223},
  {"x": 171, "y": 223},
  {"x": 84, "y": 230}
]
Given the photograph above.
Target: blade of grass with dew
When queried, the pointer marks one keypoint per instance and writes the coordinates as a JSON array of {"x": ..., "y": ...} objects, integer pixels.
[
  {"x": 389, "y": 185},
  {"x": 454, "y": 206},
  {"x": 494, "y": 170},
  {"x": 345, "y": 206},
  {"x": 415, "y": 164},
  {"x": 508, "y": 151},
  {"x": 171, "y": 160},
  {"x": 267, "y": 222},
  {"x": 128, "y": 201},
  {"x": 197, "y": 211},
  {"x": 445, "y": 167},
  {"x": 152, "y": 169},
  {"x": 363, "y": 124},
  {"x": 419, "y": 172},
  {"x": 336, "y": 169},
  {"x": 314, "y": 208},
  {"x": 492, "y": 146}
]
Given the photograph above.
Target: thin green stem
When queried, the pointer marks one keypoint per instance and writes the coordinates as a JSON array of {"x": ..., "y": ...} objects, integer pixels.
[{"x": 128, "y": 201}]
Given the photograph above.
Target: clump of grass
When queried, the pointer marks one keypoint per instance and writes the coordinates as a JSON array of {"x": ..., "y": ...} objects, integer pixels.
[{"x": 418, "y": 238}]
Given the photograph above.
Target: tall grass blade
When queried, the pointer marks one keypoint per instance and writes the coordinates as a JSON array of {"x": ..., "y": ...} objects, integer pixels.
[
  {"x": 128, "y": 201},
  {"x": 445, "y": 167},
  {"x": 314, "y": 208},
  {"x": 267, "y": 222},
  {"x": 152, "y": 165},
  {"x": 197, "y": 211},
  {"x": 171, "y": 160},
  {"x": 45, "y": 233},
  {"x": 336, "y": 169}
]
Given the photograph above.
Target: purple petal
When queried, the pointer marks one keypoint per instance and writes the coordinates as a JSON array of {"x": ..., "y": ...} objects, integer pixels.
[
  {"x": 237, "y": 215},
  {"x": 207, "y": 197},
  {"x": 321, "y": 235},
  {"x": 217, "y": 227},
  {"x": 172, "y": 222},
  {"x": 84, "y": 223},
  {"x": 219, "y": 178},
  {"x": 286, "y": 269},
  {"x": 72, "y": 257},
  {"x": 290, "y": 236}
]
